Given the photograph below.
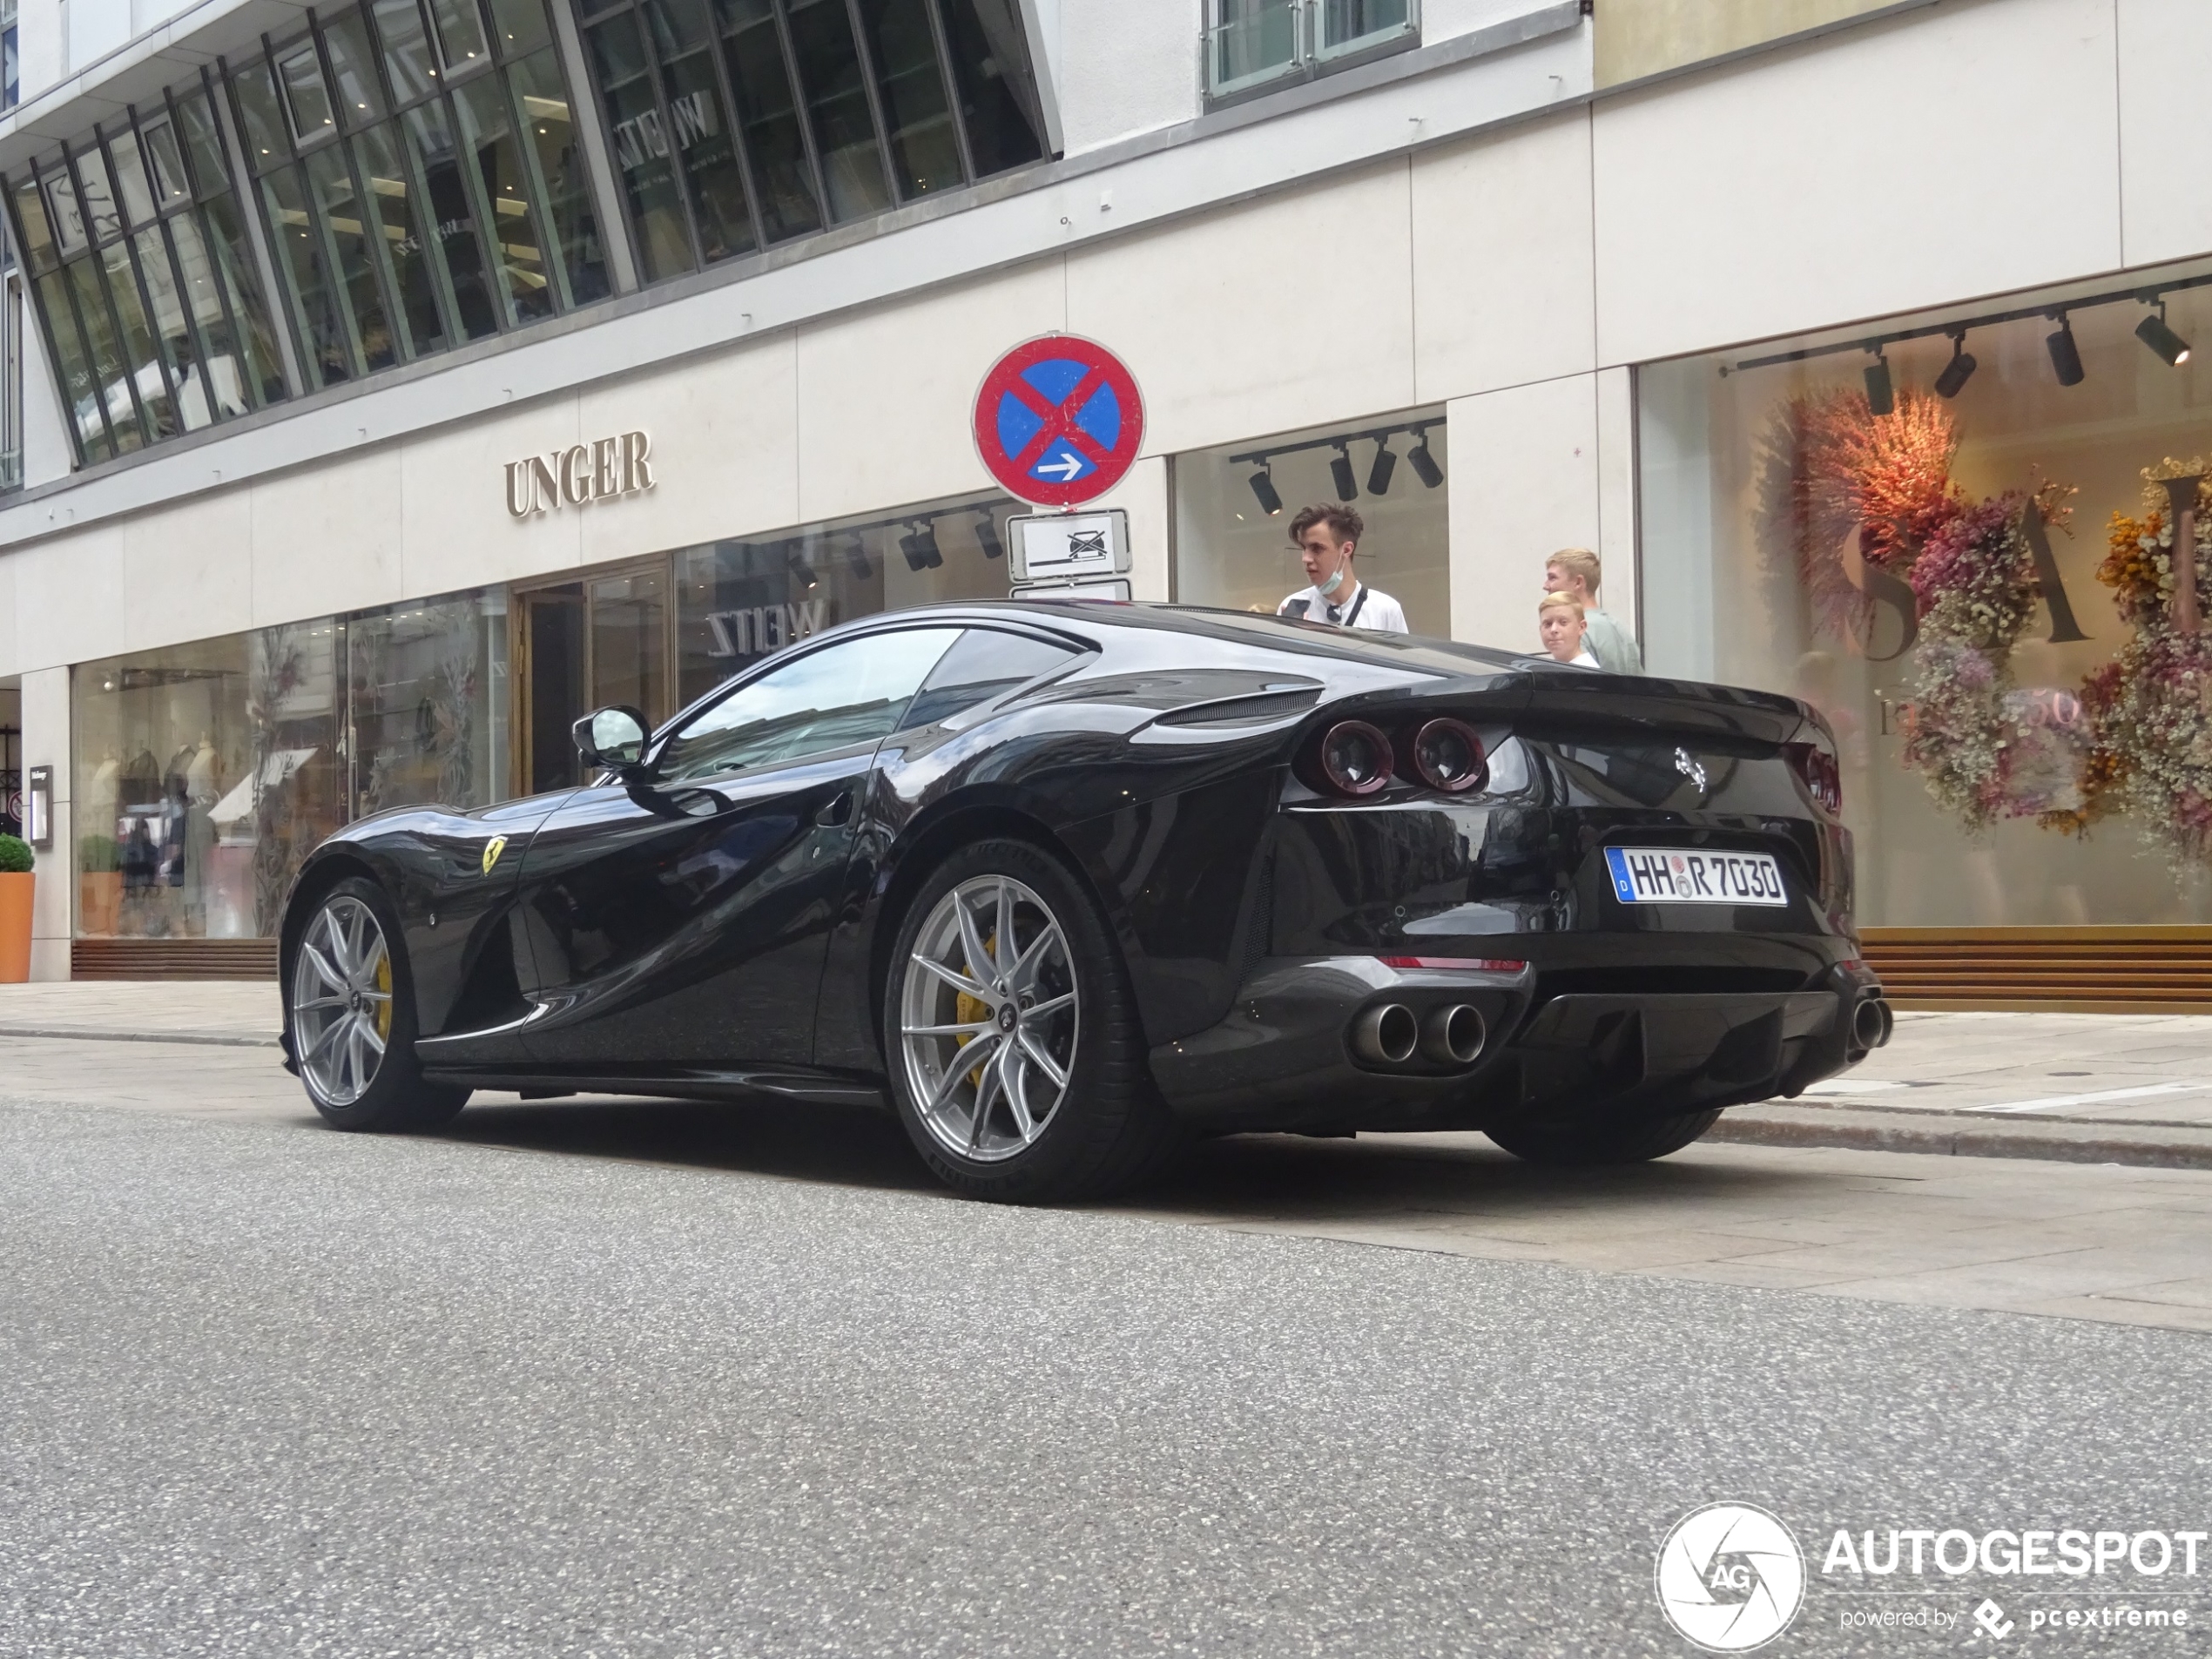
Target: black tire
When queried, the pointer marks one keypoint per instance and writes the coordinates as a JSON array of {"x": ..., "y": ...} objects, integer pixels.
[
  {"x": 396, "y": 1097},
  {"x": 1110, "y": 1126},
  {"x": 1634, "y": 1140}
]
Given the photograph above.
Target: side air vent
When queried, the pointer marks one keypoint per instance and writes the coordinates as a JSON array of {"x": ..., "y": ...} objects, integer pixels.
[{"x": 1262, "y": 709}]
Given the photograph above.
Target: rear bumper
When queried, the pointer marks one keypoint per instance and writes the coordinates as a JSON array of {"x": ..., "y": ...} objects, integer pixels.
[{"x": 1285, "y": 1059}]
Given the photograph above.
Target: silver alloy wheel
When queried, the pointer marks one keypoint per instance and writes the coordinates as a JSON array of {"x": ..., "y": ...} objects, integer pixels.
[
  {"x": 988, "y": 1018},
  {"x": 342, "y": 1001}
]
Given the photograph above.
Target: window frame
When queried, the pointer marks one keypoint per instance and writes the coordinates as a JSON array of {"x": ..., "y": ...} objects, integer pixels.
[{"x": 1311, "y": 59}]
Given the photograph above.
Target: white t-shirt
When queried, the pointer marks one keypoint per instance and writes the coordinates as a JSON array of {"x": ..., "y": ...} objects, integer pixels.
[{"x": 1363, "y": 607}]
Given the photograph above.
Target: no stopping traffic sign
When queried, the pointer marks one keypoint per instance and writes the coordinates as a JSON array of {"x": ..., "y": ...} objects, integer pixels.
[{"x": 1058, "y": 420}]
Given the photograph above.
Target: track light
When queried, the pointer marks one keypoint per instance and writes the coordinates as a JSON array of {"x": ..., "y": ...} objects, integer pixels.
[
  {"x": 804, "y": 572},
  {"x": 1264, "y": 490},
  {"x": 920, "y": 545},
  {"x": 856, "y": 559},
  {"x": 2154, "y": 333},
  {"x": 1340, "y": 474},
  {"x": 1881, "y": 396},
  {"x": 1378, "y": 475},
  {"x": 1958, "y": 370},
  {"x": 1424, "y": 463},
  {"x": 2066, "y": 356},
  {"x": 986, "y": 536}
]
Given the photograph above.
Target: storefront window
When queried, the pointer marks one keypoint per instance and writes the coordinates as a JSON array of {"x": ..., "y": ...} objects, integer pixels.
[
  {"x": 1233, "y": 508},
  {"x": 206, "y": 773},
  {"x": 1939, "y": 531},
  {"x": 740, "y": 601}
]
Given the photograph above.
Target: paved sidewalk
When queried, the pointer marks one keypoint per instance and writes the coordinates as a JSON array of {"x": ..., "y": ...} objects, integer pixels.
[{"x": 225, "y": 1011}]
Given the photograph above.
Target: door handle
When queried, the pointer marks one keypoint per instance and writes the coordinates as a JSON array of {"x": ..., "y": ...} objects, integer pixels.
[{"x": 835, "y": 811}]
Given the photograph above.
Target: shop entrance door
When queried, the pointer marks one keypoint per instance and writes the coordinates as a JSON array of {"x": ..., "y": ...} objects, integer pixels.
[{"x": 580, "y": 646}]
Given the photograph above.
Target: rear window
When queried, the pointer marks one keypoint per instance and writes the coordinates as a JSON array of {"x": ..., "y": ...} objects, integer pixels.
[{"x": 985, "y": 663}]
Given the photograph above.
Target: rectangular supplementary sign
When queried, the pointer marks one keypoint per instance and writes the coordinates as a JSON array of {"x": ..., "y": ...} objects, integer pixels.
[
  {"x": 1049, "y": 547},
  {"x": 1679, "y": 875},
  {"x": 1103, "y": 588}
]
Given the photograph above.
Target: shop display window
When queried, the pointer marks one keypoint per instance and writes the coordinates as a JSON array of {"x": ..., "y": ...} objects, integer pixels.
[
  {"x": 1233, "y": 508},
  {"x": 1938, "y": 530},
  {"x": 206, "y": 773},
  {"x": 739, "y": 601}
]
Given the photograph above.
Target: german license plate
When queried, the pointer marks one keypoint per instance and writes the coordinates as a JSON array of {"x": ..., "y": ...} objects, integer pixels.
[{"x": 1677, "y": 875}]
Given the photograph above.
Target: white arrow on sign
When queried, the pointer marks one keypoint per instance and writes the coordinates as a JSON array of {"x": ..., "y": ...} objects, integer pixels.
[{"x": 1070, "y": 468}]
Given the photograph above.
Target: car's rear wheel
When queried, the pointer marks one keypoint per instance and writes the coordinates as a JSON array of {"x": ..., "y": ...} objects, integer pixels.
[
  {"x": 1016, "y": 1058},
  {"x": 1634, "y": 1140},
  {"x": 351, "y": 1003}
]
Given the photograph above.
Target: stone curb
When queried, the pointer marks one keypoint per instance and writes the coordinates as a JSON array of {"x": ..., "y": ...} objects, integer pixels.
[
  {"x": 97, "y": 1034},
  {"x": 1961, "y": 1135}
]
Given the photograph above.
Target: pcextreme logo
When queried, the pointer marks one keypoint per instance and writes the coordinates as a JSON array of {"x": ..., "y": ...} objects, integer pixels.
[
  {"x": 493, "y": 848},
  {"x": 1730, "y": 1577}
]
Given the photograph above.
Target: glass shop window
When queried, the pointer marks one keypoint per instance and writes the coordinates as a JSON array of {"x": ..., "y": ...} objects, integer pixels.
[
  {"x": 1949, "y": 546},
  {"x": 1233, "y": 508}
]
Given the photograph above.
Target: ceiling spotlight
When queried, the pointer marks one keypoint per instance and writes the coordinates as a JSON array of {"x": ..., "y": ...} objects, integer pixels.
[
  {"x": 1340, "y": 473},
  {"x": 856, "y": 559},
  {"x": 1263, "y": 489},
  {"x": 986, "y": 536},
  {"x": 2154, "y": 333},
  {"x": 1378, "y": 475},
  {"x": 803, "y": 571},
  {"x": 1881, "y": 396},
  {"x": 1424, "y": 463},
  {"x": 2066, "y": 356},
  {"x": 1958, "y": 370},
  {"x": 920, "y": 545}
]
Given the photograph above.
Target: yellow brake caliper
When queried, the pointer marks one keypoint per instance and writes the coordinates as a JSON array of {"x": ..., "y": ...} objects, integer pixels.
[{"x": 384, "y": 1009}]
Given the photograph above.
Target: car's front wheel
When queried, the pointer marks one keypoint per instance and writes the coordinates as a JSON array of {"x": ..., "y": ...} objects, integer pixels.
[
  {"x": 1016, "y": 1055},
  {"x": 1634, "y": 1140},
  {"x": 351, "y": 1005}
]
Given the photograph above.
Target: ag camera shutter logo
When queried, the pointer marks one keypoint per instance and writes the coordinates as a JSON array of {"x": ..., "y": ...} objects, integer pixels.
[{"x": 1730, "y": 1577}]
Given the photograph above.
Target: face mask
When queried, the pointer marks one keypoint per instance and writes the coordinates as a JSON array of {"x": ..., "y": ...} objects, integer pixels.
[{"x": 1334, "y": 582}]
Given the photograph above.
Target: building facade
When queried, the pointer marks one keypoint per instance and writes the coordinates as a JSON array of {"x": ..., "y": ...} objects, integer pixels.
[{"x": 398, "y": 379}]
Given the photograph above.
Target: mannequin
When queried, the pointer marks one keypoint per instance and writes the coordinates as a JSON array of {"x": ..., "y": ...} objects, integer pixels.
[
  {"x": 203, "y": 787},
  {"x": 100, "y": 794}
]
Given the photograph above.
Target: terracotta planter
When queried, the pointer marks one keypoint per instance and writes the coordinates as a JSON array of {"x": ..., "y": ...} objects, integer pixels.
[
  {"x": 15, "y": 927},
  {"x": 99, "y": 903}
]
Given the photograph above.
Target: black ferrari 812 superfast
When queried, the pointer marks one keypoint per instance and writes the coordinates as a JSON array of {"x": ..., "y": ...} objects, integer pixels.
[{"x": 1066, "y": 883}]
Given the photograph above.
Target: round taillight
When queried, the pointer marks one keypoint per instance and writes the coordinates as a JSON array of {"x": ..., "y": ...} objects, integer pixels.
[
  {"x": 1355, "y": 758},
  {"x": 1448, "y": 755}
]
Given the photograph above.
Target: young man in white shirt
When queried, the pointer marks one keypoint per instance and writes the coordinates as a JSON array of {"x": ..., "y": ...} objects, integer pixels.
[
  {"x": 1561, "y": 623},
  {"x": 1327, "y": 538}
]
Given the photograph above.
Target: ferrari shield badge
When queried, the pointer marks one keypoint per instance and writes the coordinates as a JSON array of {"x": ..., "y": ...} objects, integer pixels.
[{"x": 493, "y": 848}]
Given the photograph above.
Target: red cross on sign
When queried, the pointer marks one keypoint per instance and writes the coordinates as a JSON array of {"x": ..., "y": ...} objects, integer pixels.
[{"x": 1059, "y": 421}]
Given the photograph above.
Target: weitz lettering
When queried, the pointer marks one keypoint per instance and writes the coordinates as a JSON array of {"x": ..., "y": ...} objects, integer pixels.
[{"x": 581, "y": 474}]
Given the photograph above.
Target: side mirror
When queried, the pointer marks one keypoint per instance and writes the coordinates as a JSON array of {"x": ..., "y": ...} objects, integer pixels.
[{"x": 612, "y": 739}]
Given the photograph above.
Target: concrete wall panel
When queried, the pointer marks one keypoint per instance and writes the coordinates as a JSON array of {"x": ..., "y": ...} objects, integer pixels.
[
  {"x": 455, "y": 530},
  {"x": 1962, "y": 151},
  {"x": 1524, "y": 483},
  {"x": 1287, "y": 312},
  {"x": 1137, "y": 63},
  {"x": 185, "y": 575},
  {"x": 69, "y": 599},
  {"x": 1502, "y": 270},
  {"x": 323, "y": 540},
  {"x": 885, "y": 397},
  {"x": 2165, "y": 145},
  {"x": 725, "y": 451}
]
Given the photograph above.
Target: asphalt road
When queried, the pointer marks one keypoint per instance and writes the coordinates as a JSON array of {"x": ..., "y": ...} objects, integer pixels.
[{"x": 276, "y": 1391}]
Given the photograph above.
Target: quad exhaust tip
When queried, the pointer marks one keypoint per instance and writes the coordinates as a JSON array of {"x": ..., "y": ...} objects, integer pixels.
[
  {"x": 1453, "y": 1036},
  {"x": 1390, "y": 1033},
  {"x": 1871, "y": 1022},
  {"x": 1386, "y": 1035}
]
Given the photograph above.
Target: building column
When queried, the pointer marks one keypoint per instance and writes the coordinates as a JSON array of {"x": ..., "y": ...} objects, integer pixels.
[
  {"x": 45, "y": 743},
  {"x": 1525, "y": 482}
]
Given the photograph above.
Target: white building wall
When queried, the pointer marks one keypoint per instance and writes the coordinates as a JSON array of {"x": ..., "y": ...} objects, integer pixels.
[{"x": 1128, "y": 66}]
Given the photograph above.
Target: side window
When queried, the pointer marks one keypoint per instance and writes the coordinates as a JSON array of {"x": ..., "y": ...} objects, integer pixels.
[
  {"x": 851, "y": 692},
  {"x": 984, "y": 664}
]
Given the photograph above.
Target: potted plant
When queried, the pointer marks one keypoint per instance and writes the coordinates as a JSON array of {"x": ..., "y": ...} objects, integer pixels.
[
  {"x": 100, "y": 885},
  {"x": 16, "y": 883}
]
